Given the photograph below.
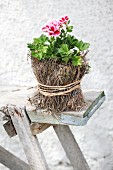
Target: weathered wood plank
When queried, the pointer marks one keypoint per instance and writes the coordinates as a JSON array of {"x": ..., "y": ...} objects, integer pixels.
[
  {"x": 94, "y": 101},
  {"x": 15, "y": 95},
  {"x": 19, "y": 97},
  {"x": 30, "y": 143},
  {"x": 12, "y": 162},
  {"x": 10, "y": 129},
  {"x": 37, "y": 128},
  {"x": 71, "y": 147}
]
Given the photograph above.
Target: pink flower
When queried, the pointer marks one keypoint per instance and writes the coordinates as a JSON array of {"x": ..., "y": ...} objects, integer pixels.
[
  {"x": 55, "y": 22},
  {"x": 53, "y": 28},
  {"x": 46, "y": 28},
  {"x": 64, "y": 20}
]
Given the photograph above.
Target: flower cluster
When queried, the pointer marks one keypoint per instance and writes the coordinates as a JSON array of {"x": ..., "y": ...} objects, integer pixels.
[
  {"x": 53, "y": 28},
  {"x": 60, "y": 45}
]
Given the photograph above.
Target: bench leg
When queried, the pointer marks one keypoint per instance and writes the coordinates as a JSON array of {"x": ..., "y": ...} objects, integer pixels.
[
  {"x": 71, "y": 147},
  {"x": 11, "y": 161},
  {"x": 30, "y": 143}
]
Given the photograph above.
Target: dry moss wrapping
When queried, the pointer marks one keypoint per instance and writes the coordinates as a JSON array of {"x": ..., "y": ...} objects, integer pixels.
[{"x": 53, "y": 73}]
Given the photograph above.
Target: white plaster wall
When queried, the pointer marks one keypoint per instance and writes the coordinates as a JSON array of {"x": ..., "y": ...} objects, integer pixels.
[{"x": 20, "y": 21}]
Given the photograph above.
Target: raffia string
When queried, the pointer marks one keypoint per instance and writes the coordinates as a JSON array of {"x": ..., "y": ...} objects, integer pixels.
[{"x": 58, "y": 90}]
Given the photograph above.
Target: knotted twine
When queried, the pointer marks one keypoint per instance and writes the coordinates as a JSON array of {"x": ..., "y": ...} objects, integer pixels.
[{"x": 57, "y": 90}]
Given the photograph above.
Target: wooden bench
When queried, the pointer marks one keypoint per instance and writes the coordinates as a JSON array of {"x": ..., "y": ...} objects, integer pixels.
[{"x": 25, "y": 121}]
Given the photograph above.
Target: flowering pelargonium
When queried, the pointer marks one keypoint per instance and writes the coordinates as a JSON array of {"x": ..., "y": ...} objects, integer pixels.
[
  {"x": 59, "y": 44},
  {"x": 53, "y": 27},
  {"x": 64, "y": 20}
]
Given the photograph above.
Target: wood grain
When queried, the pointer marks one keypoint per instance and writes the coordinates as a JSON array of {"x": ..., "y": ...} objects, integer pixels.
[
  {"x": 30, "y": 143},
  {"x": 12, "y": 162},
  {"x": 71, "y": 147},
  {"x": 37, "y": 128},
  {"x": 93, "y": 99}
]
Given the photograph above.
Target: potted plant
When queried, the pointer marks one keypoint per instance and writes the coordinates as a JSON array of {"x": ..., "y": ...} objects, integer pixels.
[{"x": 59, "y": 63}]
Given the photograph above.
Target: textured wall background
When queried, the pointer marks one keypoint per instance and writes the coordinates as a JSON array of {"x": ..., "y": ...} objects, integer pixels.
[{"x": 20, "y": 21}]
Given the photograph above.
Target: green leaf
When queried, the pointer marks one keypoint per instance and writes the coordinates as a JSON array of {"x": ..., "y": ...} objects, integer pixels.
[
  {"x": 33, "y": 54},
  {"x": 69, "y": 28},
  {"x": 36, "y": 41},
  {"x": 64, "y": 49},
  {"x": 85, "y": 46},
  {"x": 41, "y": 40},
  {"x": 66, "y": 59},
  {"x": 31, "y": 46},
  {"x": 38, "y": 55},
  {"x": 62, "y": 31},
  {"x": 44, "y": 49},
  {"x": 81, "y": 45},
  {"x": 77, "y": 61},
  {"x": 68, "y": 22}
]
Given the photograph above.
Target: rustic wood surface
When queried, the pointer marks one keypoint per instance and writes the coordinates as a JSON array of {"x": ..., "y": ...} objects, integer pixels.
[
  {"x": 30, "y": 143},
  {"x": 12, "y": 162},
  {"x": 71, "y": 147},
  {"x": 22, "y": 119},
  {"x": 15, "y": 95},
  {"x": 18, "y": 96},
  {"x": 37, "y": 128},
  {"x": 10, "y": 129},
  {"x": 93, "y": 99}
]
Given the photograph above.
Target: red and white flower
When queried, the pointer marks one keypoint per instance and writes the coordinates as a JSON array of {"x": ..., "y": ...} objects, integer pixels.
[
  {"x": 64, "y": 20},
  {"x": 53, "y": 28}
]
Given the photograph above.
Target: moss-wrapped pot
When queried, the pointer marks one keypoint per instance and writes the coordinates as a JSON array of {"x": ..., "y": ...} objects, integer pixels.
[{"x": 52, "y": 73}]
